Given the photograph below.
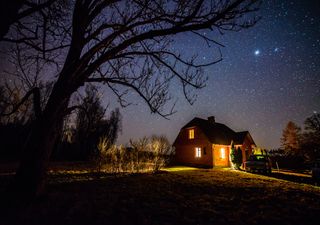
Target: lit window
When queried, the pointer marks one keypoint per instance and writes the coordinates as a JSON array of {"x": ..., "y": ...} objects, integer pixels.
[
  {"x": 222, "y": 153},
  {"x": 191, "y": 134},
  {"x": 198, "y": 152}
]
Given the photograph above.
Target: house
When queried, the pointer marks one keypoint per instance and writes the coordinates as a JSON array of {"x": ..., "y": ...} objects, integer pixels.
[{"x": 206, "y": 143}]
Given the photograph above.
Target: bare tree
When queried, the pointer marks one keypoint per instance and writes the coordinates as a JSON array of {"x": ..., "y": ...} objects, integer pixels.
[
  {"x": 161, "y": 151},
  {"x": 91, "y": 124},
  {"x": 290, "y": 139},
  {"x": 139, "y": 147},
  {"x": 126, "y": 46}
]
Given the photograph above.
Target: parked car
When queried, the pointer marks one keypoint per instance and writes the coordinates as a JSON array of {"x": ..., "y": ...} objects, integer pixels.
[
  {"x": 258, "y": 163},
  {"x": 316, "y": 172}
]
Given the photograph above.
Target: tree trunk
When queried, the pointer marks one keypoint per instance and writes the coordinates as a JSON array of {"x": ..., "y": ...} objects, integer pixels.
[{"x": 30, "y": 177}]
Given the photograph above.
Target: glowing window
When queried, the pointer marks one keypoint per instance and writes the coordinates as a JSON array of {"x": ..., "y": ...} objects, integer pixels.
[
  {"x": 191, "y": 134},
  {"x": 222, "y": 153},
  {"x": 198, "y": 152}
]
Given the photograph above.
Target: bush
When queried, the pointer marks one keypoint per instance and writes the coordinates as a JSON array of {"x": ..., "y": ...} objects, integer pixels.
[
  {"x": 161, "y": 150},
  {"x": 144, "y": 154},
  {"x": 236, "y": 157}
]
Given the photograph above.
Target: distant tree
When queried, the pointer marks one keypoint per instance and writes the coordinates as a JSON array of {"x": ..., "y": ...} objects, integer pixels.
[
  {"x": 312, "y": 124},
  {"x": 88, "y": 118},
  {"x": 310, "y": 138},
  {"x": 161, "y": 150},
  {"x": 139, "y": 147},
  {"x": 126, "y": 46},
  {"x": 91, "y": 124},
  {"x": 100, "y": 158},
  {"x": 290, "y": 139},
  {"x": 10, "y": 98}
]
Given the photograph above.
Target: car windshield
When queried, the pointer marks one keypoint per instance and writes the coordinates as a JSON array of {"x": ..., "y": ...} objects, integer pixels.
[{"x": 258, "y": 158}]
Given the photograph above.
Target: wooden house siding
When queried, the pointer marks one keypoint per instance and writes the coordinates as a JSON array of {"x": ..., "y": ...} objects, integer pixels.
[{"x": 186, "y": 148}]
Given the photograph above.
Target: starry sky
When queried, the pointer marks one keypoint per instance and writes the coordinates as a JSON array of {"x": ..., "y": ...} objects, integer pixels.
[{"x": 270, "y": 74}]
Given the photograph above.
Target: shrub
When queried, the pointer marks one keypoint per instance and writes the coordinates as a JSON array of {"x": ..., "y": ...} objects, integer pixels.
[
  {"x": 161, "y": 151},
  {"x": 236, "y": 157}
]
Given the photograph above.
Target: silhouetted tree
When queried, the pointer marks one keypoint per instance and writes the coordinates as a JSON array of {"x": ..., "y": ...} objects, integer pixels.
[
  {"x": 290, "y": 139},
  {"x": 91, "y": 124},
  {"x": 310, "y": 138},
  {"x": 124, "y": 45},
  {"x": 14, "y": 13}
]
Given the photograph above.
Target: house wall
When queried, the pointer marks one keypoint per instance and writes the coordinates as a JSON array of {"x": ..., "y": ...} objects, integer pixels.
[
  {"x": 217, "y": 157},
  {"x": 246, "y": 148},
  {"x": 186, "y": 149}
]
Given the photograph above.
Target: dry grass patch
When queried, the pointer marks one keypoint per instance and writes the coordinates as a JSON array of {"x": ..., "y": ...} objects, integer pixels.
[{"x": 176, "y": 196}]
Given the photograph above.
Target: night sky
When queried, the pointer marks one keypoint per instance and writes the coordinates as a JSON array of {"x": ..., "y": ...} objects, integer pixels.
[{"x": 270, "y": 74}]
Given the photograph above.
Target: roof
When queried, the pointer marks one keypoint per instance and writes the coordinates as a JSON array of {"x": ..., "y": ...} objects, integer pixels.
[
  {"x": 218, "y": 133},
  {"x": 239, "y": 137}
]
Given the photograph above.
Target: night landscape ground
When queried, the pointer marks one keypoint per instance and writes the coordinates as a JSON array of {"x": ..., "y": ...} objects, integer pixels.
[{"x": 172, "y": 196}]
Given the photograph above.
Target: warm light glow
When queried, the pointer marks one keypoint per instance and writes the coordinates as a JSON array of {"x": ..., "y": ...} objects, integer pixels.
[
  {"x": 198, "y": 152},
  {"x": 222, "y": 153},
  {"x": 191, "y": 134},
  {"x": 179, "y": 168}
]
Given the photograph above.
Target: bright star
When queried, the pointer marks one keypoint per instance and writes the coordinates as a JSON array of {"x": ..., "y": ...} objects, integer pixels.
[
  {"x": 257, "y": 52},
  {"x": 276, "y": 49}
]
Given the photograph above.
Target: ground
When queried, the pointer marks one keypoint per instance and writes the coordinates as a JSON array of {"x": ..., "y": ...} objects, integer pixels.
[{"x": 176, "y": 195}]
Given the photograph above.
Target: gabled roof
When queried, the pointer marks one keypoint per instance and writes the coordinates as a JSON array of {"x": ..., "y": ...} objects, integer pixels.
[
  {"x": 217, "y": 133},
  {"x": 239, "y": 137}
]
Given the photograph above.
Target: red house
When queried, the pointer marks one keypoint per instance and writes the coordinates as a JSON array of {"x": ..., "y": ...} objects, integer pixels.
[{"x": 206, "y": 143}]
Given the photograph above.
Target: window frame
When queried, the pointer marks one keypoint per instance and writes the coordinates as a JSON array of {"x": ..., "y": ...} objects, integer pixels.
[
  {"x": 191, "y": 134},
  {"x": 223, "y": 154}
]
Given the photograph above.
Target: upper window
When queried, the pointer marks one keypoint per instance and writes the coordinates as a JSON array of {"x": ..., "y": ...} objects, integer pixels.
[
  {"x": 198, "y": 152},
  {"x": 191, "y": 134}
]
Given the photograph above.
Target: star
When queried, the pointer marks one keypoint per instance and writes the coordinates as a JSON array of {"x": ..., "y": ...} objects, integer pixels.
[
  {"x": 276, "y": 49},
  {"x": 257, "y": 52}
]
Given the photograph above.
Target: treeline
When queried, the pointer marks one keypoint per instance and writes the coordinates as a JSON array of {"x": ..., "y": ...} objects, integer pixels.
[
  {"x": 79, "y": 135},
  {"x": 88, "y": 135},
  {"x": 299, "y": 147}
]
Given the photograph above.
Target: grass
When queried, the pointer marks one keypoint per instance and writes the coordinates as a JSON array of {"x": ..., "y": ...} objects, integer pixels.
[{"x": 177, "y": 195}]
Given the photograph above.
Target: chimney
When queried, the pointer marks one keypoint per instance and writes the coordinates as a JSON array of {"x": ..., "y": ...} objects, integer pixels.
[{"x": 211, "y": 119}]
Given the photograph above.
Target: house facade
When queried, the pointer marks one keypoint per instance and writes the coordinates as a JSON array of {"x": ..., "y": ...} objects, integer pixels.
[{"x": 206, "y": 143}]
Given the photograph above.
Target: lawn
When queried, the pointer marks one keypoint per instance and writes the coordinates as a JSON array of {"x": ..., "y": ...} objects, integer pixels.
[{"x": 174, "y": 196}]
